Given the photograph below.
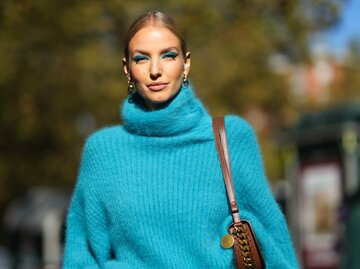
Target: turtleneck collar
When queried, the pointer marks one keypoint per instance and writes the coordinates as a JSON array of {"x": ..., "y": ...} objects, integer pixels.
[{"x": 179, "y": 115}]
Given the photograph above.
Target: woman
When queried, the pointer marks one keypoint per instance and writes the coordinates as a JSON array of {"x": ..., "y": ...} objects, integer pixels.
[{"x": 150, "y": 193}]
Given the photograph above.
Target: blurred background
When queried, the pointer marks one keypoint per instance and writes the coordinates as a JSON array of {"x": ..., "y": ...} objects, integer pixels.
[{"x": 291, "y": 68}]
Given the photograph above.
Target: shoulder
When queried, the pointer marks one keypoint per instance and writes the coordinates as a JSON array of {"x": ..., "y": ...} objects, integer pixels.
[
  {"x": 104, "y": 134},
  {"x": 97, "y": 149},
  {"x": 103, "y": 137},
  {"x": 232, "y": 121},
  {"x": 243, "y": 143},
  {"x": 239, "y": 129}
]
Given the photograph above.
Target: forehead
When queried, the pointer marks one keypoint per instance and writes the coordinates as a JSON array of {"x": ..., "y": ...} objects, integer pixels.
[{"x": 153, "y": 37}]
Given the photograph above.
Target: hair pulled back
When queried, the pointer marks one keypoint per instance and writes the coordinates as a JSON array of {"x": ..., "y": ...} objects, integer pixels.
[{"x": 154, "y": 18}]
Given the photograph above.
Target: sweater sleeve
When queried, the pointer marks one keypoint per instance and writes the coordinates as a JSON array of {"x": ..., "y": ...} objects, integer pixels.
[
  {"x": 256, "y": 202},
  {"x": 87, "y": 244}
]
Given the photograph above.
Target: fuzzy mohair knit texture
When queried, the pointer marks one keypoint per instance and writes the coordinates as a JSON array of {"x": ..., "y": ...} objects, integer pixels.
[{"x": 150, "y": 193}]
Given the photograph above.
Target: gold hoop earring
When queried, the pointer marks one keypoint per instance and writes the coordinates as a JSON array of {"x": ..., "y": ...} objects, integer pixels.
[
  {"x": 185, "y": 81},
  {"x": 131, "y": 88}
]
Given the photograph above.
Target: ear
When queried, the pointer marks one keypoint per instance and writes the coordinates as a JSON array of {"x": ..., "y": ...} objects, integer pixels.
[
  {"x": 126, "y": 68},
  {"x": 187, "y": 63}
]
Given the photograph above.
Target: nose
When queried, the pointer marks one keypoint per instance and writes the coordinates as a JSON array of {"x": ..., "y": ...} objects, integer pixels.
[{"x": 155, "y": 69}]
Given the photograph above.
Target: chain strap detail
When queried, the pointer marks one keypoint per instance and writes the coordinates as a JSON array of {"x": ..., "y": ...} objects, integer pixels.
[{"x": 239, "y": 234}]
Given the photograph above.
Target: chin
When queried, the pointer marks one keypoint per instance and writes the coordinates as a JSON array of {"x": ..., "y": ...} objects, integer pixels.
[
  {"x": 160, "y": 97},
  {"x": 159, "y": 101}
]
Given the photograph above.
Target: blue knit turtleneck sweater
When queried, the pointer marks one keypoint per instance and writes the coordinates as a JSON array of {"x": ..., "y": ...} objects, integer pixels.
[{"x": 150, "y": 193}]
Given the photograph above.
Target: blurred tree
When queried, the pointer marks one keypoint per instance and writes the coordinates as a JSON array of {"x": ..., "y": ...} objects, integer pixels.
[
  {"x": 60, "y": 70},
  {"x": 347, "y": 87},
  {"x": 61, "y": 74}
]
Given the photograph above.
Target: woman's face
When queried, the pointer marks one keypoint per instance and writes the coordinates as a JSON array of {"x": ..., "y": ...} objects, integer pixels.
[{"x": 156, "y": 64}]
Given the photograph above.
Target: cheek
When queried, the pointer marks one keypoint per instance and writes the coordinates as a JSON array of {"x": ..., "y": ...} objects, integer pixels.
[
  {"x": 137, "y": 73},
  {"x": 176, "y": 70}
]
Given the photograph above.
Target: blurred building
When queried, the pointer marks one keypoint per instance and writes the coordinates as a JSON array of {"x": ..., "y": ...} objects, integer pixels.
[{"x": 324, "y": 209}]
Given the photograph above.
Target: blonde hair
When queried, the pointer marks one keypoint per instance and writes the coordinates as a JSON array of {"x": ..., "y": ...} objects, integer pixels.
[{"x": 156, "y": 18}]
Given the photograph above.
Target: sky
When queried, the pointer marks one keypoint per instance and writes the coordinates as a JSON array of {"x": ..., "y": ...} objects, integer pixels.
[{"x": 347, "y": 29}]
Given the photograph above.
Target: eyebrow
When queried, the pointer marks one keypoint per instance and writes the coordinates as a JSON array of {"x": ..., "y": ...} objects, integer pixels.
[{"x": 172, "y": 48}]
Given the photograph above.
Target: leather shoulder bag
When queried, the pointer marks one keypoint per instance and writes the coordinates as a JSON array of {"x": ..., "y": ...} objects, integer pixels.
[{"x": 241, "y": 236}]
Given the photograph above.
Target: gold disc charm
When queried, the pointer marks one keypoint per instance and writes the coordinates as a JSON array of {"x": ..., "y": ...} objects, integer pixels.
[{"x": 227, "y": 241}]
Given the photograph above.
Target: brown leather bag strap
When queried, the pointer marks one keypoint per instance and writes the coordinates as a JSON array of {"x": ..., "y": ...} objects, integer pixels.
[{"x": 222, "y": 148}]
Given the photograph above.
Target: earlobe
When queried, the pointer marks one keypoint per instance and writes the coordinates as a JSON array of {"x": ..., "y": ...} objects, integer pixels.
[
  {"x": 187, "y": 63},
  {"x": 185, "y": 81},
  {"x": 126, "y": 69}
]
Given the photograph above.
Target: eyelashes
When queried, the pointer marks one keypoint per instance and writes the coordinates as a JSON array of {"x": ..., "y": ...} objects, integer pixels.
[
  {"x": 139, "y": 58},
  {"x": 142, "y": 58},
  {"x": 170, "y": 54}
]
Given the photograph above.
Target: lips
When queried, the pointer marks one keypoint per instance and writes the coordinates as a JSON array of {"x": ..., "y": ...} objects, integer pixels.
[{"x": 157, "y": 86}]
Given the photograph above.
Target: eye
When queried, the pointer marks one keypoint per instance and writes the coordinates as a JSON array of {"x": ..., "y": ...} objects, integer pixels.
[
  {"x": 140, "y": 58},
  {"x": 170, "y": 54}
]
